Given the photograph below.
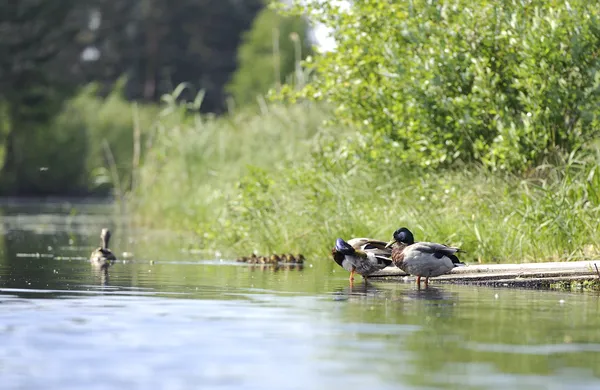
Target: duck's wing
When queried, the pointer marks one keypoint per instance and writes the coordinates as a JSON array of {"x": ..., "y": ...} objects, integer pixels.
[
  {"x": 377, "y": 247},
  {"x": 438, "y": 250},
  {"x": 358, "y": 242},
  {"x": 105, "y": 253},
  {"x": 374, "y": 259}
]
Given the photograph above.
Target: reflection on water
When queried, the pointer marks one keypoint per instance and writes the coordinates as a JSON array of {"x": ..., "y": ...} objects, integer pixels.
[{"x": 173, "y": 318}]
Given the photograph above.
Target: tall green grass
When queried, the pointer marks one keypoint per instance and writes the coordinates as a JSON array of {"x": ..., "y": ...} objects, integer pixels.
[{"x": 275, "y": 181}]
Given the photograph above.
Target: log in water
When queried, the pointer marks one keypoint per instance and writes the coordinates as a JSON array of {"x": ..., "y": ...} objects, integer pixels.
[{"x": 516, "y": 275}]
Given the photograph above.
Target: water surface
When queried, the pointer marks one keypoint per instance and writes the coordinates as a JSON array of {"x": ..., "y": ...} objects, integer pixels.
[{"x": 172, "y": 317}]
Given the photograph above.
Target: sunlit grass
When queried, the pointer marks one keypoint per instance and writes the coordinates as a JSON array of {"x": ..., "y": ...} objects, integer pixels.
[{"x": 263, "y": 182}]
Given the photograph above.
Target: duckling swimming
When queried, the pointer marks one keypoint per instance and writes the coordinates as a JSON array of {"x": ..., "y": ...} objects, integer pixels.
[
  {"x": 422, "y": 259},
  {"x": 102, "y": 256},
  {"x": 275, "y": 259}
]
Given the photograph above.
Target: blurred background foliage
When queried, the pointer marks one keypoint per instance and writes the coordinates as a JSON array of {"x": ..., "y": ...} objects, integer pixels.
[
  {"x": 73, "y": 72},
  {"x": 474, "y": 123}
]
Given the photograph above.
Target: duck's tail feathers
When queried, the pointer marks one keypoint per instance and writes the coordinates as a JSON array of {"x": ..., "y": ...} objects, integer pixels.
[
  {"x": 383, "y": 260},
  {"x": 455, "y": 261}
]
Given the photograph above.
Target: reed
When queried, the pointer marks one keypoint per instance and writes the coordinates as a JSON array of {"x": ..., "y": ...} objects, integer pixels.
[{"x": 273, "y": 181}]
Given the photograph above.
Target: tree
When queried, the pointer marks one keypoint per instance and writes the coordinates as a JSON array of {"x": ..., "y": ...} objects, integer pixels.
[
  {"x": 269, "y": 55},
  {"x": 39, "y": 63},
  {"x": 193, "y": 42}
]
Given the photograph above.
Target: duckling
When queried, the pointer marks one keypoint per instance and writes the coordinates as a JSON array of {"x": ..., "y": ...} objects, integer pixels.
[
  {"x": 422, "y": 259},
  {"x": 300, "y": 258},
  {"x": 361, "y": 255},
  {"x": 291, "y": 258},
  {"x": 253, "y": 259},
  {"x": 103, "y": 256},
  {"x": 262, "y": 260},
  {"x": 275, "y": 259}
]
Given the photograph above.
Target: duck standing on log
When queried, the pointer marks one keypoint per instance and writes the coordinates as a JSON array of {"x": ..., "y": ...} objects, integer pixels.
[
  {"x": 102, "y": 256},
  {"x": 361, "y": 255},
  {"x": 422, "y": 259}
]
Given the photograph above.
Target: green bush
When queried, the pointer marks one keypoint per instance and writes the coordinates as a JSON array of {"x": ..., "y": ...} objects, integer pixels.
[
  {"x": 271, "y": 182},
  {"x": 508, "y": 84}
]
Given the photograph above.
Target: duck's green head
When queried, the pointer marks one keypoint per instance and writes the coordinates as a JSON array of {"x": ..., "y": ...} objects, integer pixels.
[
  {"x": 403, "y": 236},
  {"x": 343, "y": 247}
]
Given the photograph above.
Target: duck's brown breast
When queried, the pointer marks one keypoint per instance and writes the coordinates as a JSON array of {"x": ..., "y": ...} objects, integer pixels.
[{"x": 398, "y": 255}]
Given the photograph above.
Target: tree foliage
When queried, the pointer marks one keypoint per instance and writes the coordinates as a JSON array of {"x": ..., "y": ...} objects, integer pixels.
[
  {"x": 270, "y": 54},
  {"x": 505, "y": 83},
  {"x": 50, "y": 49},
  {"x": 159, "y": 45},
  {"x": 39, "y": 52}
]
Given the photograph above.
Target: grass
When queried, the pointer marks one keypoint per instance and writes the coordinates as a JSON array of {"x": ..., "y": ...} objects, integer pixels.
[{"x": 273, "y": 181}]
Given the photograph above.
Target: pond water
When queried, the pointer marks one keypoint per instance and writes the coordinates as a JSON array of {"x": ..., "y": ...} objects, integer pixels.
[{"x": 175, "y": 318}]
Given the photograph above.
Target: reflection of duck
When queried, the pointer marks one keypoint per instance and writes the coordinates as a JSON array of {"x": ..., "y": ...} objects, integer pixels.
[
  {"x": 358, "y": 291},
  {"x": 422, "y": 259},
  {"x": 429, "y": 294},
  {"x": 102, "y": 256},
  {"x": 361, "y": 255},
  {"x": 102, "y": 272}
]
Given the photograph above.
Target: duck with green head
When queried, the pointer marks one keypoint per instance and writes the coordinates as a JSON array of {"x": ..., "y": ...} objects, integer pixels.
[
  {"x": 103, "y": 256},
  {"x": 363, "y": 256},
  {"x": 422, "y": 259}
]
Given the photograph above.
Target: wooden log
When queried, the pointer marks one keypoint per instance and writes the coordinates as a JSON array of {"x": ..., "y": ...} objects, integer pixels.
[{"x": 525, "y": 274}]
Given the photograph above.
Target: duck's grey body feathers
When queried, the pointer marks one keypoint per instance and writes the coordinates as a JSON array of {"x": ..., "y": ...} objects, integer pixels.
[
  {"x": 427, "y": 259},
  {"x": 422, "y": 259},
  {"x": 364, "y": 263}
]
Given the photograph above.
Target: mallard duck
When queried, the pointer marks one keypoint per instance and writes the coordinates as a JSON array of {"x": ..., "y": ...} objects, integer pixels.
[
  {"x": 361, "y": 255},
  {"x": 422, "y": 259},
  {"x": 103, "y": 256}
]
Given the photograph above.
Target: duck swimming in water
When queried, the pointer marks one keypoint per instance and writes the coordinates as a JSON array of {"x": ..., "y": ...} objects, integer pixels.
[{"x": 102, "y": 256}]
